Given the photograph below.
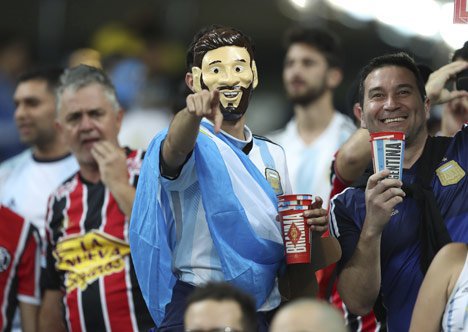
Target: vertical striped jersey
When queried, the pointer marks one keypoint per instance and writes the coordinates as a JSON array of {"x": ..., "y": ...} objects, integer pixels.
[
  {"x": 19, "y": 265},
  {"x": 88, "y": 256}
]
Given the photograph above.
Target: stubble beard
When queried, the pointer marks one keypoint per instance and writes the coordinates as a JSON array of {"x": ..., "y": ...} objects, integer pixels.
[{"x": 308, "y": 97}]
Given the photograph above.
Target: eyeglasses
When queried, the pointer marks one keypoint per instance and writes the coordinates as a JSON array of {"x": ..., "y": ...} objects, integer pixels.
[{"x": 216, "y": 329}]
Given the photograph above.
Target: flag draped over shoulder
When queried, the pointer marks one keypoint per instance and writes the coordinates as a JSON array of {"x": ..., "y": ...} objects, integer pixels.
[{"x": 240, "y": 208}]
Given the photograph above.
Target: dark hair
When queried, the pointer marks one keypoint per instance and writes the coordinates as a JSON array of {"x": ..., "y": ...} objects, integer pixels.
[
  {"x": 425, "y": 71},
  {"x": 352, "y": 97},
  {"x": 222, "y": 291},
  {"x": 51, "y": 75},
  {"x": 324, "y": 41},
  {"x": 396, "y": 59},
  {"x": 213, "y": 37},
  {"x": 461, "y": 53}
]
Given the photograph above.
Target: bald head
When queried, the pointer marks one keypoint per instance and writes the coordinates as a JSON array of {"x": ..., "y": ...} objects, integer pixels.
[{"x": 308, "y": 316}]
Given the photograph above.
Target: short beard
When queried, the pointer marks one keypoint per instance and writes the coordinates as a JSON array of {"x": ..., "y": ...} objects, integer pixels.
[
  {"x": 232, "y": 113},
  {"x": 309, "y": 97}
]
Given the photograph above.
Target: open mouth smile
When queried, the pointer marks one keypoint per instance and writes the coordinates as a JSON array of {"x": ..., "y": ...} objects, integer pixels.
[
  {"x": 394, "y": 120},
  {"x": 230, "y": 94}
]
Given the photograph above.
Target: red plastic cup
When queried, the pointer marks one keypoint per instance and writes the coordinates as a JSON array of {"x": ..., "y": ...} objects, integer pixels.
[{"x": 296, "y": 234}]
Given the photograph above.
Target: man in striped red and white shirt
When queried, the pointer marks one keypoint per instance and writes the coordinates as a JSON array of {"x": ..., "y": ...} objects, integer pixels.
[
  {"x": 90, "y": 281},
  {"x": 19, "y": 270}
]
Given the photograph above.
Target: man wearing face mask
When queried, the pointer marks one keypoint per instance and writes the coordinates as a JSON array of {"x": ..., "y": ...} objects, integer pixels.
[{"x": 206, "y": 205}]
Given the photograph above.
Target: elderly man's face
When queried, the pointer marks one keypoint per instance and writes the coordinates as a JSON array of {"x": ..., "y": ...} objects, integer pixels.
[
  {"x": 87, "y": 116},
  {"x": 230, "y": 70}
]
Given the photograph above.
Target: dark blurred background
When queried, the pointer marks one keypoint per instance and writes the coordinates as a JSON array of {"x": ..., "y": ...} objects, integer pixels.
[{"x": 142, "y": 43}]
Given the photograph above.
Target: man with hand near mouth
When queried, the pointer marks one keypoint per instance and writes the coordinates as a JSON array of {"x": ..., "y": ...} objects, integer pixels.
[
  {"x": 206, "y": 206},
  {"x": 89, "y": 279},
  {"x": 390, "y": 231}
]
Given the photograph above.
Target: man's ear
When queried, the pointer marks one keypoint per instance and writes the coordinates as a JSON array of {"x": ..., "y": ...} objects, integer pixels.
[
  {"x": 255, "y": 74},
  {"x": 119, "y": 117},
  {"x": 357, "y": 111},
  {"x": 334, "y": 77},
  {"x": 427, "y": 108},
  {"x": 363, "y": 120},
  {"x": 193, "y": 79}
]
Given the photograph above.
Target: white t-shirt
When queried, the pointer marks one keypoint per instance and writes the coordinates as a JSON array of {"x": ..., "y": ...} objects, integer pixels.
[
  {"x": 26, "y": 183},
  {"x": 309, "y": 165}
]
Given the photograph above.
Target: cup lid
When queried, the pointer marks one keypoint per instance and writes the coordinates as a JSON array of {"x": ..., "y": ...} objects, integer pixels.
[{"x": 296, "y": 197}]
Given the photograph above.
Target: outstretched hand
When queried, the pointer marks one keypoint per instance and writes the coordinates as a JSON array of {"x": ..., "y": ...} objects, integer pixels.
[{"x": 206, "y": 104}]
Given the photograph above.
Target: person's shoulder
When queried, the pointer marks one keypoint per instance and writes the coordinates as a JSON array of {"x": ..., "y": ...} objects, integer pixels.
[
  {"x": 273, "y": 147},
  {"x": 16, "y": 160},
  {"x": 351, "y": 198},
  {"x": 450, "y": 261},
  {"x": 14, "y": 164},
  {"x": 345, "y": 122},
  {"x": 451, "y": 252},
  {"x": 12, "y": 217},
  {"x": 66, "y": 187},
  {"x": 283, "y": 133},
  {"x": 265, "y": 139}
]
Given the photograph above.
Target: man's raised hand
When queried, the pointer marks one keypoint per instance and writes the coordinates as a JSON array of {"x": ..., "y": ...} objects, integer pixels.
[{"x": 206, "y": 104}]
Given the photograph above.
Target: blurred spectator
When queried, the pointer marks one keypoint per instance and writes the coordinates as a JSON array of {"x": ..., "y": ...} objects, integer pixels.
[
  {"x": 85, "y": 56},
  {"x": 14, "y": 58},
  {"x": 307, "y": 315},
  {"x": 455, "y": 112},
  {"x": 220, "y": 307},
  {"x": 141, "y": 69},
  {"x": 19, "y": 270},
  {"x": 312, "y": 70},
  {"x": 27, "y": 180}
]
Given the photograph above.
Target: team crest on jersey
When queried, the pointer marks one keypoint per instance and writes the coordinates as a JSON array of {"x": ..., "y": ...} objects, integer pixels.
[
  {"x": 274, "y": 180},
  {"x": 85, "y": 258},
  {"x": 450, "y": 173},
  {"x": 5, "y": 259}
]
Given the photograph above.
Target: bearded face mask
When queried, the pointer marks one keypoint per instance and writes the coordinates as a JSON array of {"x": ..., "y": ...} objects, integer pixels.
[{"x": 230, "y": 70}]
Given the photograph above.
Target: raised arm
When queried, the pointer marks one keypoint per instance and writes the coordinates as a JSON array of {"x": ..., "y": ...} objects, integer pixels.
[
  {"x": 359, "y": 281},
  {"x": 435, "y": 86},
  {"x": 183, "y": 130},
  {"x": 455, "y": 102},
  {"x": 353, "y": 156}
]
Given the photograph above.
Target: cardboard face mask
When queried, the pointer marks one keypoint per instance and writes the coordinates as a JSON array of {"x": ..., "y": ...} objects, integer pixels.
[{"x": 230, "y": 70}]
